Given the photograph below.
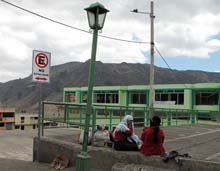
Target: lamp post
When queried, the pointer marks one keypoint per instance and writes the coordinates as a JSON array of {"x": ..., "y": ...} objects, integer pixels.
[
  {"x": 152, "y": 91},
  {"x": 96, "y": 16}
]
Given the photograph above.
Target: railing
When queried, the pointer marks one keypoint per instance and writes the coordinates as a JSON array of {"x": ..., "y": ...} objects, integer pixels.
[{"x": 56, "y": 114}]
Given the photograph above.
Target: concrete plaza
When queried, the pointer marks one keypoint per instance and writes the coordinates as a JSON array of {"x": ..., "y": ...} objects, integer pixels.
[{"x": 200, "y": 141}]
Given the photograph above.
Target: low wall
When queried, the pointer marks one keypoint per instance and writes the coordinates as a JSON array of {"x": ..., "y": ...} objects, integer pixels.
[
  {"x": 105, "y": 159},
  {"x": 186, "y": 165},
  {"x": 137, "y": 167}
]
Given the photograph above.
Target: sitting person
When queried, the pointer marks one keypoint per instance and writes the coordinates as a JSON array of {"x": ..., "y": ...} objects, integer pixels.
[
  {"x": 124, "y": 138},
  {"x": 153, "y": 138},
  {"x": 101, "y": 136},
  {"x": 81, "y": 136}
]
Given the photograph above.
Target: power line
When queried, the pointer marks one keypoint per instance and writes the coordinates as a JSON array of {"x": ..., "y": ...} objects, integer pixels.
[
  {"x": 157, "y": 50},
  {"x": 82, "y": 30},
  {"x": 162, "y": 57},
  {"x": 72, "y": 27},
  {"x": 69, "y": 26},
  {"x": 124, "y": 40},
  {"x": 43, "y": 16}
]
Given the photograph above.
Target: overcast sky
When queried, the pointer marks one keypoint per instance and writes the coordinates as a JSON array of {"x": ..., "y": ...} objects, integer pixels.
[{"x": 187, "y": 34}]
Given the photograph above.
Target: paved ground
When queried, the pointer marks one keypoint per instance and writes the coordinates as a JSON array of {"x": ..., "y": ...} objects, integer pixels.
[
  {"x": 200, "y": 141},
  {"x": 18, "y": 144},
  {"x": 21, "y": 165}
]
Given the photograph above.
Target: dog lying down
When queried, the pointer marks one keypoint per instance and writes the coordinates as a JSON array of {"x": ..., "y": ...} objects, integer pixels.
[{"x": 60, "y": 162}]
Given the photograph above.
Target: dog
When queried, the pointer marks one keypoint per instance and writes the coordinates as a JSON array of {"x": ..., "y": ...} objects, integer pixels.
[{"x": 60, "y": 162}]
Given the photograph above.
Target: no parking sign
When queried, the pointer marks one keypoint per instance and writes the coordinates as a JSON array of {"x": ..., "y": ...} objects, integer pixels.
[{"x": 41, "y": 66}]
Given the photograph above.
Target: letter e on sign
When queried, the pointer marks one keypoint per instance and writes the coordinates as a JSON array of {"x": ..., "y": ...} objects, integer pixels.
[
  {"x": 41, "y": 60},
  {"x": 41, "y": 66}
]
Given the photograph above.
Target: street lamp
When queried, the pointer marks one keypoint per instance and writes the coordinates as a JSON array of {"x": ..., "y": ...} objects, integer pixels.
[{"x": 96, "y": 16}]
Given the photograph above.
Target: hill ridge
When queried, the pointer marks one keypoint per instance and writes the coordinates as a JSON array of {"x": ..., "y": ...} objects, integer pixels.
[{"x": 23, "y": 93}]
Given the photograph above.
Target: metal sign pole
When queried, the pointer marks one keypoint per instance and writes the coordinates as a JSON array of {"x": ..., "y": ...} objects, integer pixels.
[
  {"x": 42, "y": 119},
  {"x": 41, "y": 74},
  {"x": 39, "y": 120}
]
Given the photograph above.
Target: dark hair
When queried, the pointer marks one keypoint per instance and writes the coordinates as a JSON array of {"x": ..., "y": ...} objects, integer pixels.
[
  {"x": 99, "y": 127},
  {"x": 155, "y": 122}
]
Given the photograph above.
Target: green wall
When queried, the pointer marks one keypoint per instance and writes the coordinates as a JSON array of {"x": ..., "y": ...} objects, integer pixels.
[{"x": 124, "y": 99}]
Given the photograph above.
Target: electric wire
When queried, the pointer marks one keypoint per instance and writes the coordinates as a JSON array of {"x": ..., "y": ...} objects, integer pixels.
[
  {"x": 157, "y": 50},
  {"x": 85, "y": 31},
  {"x": 26, "y": 10},
  {"x": 66, "y": 25},
  {"x": 162, "y": 57},
  {"x": 69, "y": 26}
]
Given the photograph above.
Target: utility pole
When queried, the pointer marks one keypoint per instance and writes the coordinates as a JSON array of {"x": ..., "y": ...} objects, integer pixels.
[{"x": 152, "y": 91}]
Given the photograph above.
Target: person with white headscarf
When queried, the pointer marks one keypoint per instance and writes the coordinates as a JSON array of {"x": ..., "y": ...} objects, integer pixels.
[{"x": 124, "y": 137}]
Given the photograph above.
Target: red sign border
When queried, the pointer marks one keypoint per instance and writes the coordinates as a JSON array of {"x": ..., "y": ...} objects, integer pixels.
[{"x": 37, "y": 57}]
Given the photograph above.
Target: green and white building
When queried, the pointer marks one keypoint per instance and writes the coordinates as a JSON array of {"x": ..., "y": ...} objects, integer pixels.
[{"x": 202, "y": 99}]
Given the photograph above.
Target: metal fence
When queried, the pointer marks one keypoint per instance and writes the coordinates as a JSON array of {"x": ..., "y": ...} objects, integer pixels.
[{"x": 56, "y": 114}]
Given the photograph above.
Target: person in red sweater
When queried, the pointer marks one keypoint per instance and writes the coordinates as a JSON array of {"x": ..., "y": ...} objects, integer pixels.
[
  {"x": 153, "y": 138},
  {"x": 124, "y": 137}
]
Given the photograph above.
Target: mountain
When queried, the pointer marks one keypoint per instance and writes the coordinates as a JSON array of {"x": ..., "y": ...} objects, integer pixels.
[{"x": 24, "y": 94}]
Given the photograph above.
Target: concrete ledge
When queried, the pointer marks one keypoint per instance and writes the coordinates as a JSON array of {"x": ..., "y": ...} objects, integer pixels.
[
  {"x": 185, "y": 165},
  {"x": 105, "y": 159},
  {"x": 135, "y": 167},
  {"x": 201, "y": 165},
  {"x": 49, "y": 148}
]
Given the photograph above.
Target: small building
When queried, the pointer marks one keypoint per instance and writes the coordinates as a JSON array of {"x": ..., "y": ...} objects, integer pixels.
[
  {"x": 26, "y": 121},
  {"x": 7, "y": 118}
]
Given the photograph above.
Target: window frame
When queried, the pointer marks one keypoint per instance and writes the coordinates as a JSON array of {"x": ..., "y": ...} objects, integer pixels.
[{"x": 169, "y": 95}]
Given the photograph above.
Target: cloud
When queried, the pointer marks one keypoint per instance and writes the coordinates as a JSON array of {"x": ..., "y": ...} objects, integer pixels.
[
  {"x": 189, "y": 38},
  {"x": 182, "y": 28},
  {"x": 214, "y": 43}
]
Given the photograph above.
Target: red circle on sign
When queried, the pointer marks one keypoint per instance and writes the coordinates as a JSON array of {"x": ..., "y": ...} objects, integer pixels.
[{"x": 41, "y": 60}]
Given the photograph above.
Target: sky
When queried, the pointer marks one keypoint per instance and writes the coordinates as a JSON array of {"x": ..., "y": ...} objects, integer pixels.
[{"x": 186, "y": 33}]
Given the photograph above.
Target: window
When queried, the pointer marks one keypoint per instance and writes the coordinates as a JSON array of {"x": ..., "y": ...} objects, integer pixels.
[
  {"x": 137, "y": 97},
  {"x": 8, "y": 115},
  {"x": 2, "y": 124},
  {"x": 9, "y": 126},
  {"x": 106, "y": 97},
  {"x": 99, "y": 98},
  {"x": 17, "y": 127},
  {"x": 84, "y": 97},
  {"x": 22, "y": 119},
  {"x": 207, "y": 97},
  {"x": 169, "y": 97},
  {"x": 164, "y": 97},
  {"x": 71, "y": 97},
  {"x": 111, "y": 98}
]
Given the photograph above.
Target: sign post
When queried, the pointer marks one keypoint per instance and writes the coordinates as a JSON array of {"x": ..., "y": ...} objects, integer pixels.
[
  {"x": 40, "y": 74},
  {"x": 41, "y": 66}
]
